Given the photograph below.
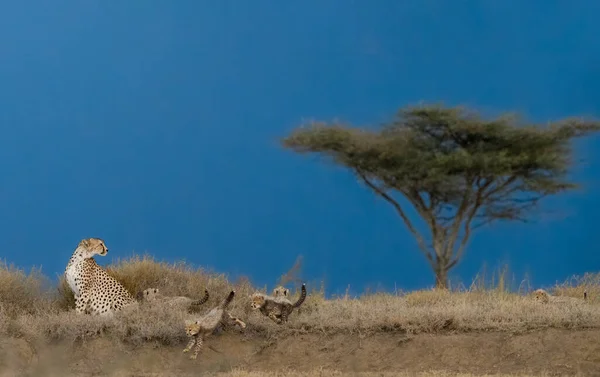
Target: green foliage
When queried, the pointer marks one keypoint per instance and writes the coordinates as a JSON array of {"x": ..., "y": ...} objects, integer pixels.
[{"x": 453, "y": 166}]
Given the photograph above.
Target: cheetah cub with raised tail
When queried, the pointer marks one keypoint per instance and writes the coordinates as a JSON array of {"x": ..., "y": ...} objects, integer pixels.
[
  {"x": 153, "y": 295},
  {"x": 278, "y": 308},
  {"x": 203, "y": 327}
]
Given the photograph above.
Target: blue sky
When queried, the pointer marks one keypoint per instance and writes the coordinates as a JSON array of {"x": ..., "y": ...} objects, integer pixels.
[{"x": 155, "y": 125}]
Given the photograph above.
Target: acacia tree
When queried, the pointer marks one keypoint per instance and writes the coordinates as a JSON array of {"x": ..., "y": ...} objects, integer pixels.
[{"x": 458, "y": 170}]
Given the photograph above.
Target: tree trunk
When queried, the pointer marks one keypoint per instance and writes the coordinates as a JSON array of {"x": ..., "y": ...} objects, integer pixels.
[{"x": 441, "y": 277}]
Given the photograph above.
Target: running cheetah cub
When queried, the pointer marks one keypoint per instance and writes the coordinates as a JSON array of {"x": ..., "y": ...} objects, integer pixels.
[
  {"x": 277, "y": 309},
  {"x": 203, "y": 327},
  {"x": 152, "y": 295},
  {"x": 544, "y": 297}
]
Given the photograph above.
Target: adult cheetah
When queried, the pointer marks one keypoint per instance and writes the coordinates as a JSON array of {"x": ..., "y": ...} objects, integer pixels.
[{"x": 95, "y": 291}]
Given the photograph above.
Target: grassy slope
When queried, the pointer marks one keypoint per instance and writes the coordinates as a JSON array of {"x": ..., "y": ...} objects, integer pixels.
[{"x": 42, "y": 318}]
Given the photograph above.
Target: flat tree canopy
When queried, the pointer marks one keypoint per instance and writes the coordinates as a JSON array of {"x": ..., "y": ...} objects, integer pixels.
[{"x": 459, "y": 170}]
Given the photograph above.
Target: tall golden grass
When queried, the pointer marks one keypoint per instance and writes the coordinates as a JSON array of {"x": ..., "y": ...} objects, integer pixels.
[{"x": 31, "y": 308}]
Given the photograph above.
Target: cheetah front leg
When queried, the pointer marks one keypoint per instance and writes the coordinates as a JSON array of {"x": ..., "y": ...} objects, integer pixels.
[
  {"x": 190, "y": 345},
  {"x": 274, "y": 318},
  {"x": 198, "y": 347},
  {"x": 81, "y": 304}
]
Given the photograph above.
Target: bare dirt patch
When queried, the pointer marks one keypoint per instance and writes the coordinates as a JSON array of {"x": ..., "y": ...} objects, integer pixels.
[{"x": 551, "y": 352}]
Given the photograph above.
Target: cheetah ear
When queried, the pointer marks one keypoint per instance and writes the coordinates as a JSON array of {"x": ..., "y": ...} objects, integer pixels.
[{"x": 84, "y": 242}]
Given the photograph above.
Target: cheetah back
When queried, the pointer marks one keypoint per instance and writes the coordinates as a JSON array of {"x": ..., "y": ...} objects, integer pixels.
[
  {"x": 103, "y": 292},
  {"x": 276, "y": 306}
]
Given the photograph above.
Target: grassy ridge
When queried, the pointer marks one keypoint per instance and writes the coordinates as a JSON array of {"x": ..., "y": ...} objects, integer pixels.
[{"x": 31, "y": 308}]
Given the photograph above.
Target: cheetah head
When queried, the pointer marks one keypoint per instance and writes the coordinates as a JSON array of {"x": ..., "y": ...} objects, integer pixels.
[
  {"x": 148, "y": 294},
  {"x": 92, "y": 246},
  {"x": 281, "y": 292},
  {"x": 192, "y": 328},
  {"x": 257, "y": 300},
  {"x": 541, "y": 295}
]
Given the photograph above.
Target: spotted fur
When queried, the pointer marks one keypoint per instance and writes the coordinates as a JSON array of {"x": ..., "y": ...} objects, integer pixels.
[
  {"x": 277, "y": 309},
  {"x": 203, "y": 327},
  {"x": 153, "y": 295},
  {"x": 281, "y": 291},
  {"x": 544, "y": 297},
  {"x": 95, "y": 291}
]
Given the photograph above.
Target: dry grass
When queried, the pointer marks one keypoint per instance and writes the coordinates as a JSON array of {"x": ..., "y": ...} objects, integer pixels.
[
  {"x": 575, "y": 286},
  {"x": 22, "y": 292},
  {"x": 38, "y": 314},
  {"x": 29, "y": 311}
]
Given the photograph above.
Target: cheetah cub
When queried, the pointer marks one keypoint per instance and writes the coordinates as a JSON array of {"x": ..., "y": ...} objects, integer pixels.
[
  {"x": 544, "y": 297},
  {"x": 203, "y": 327},
  {"x": 278, "y": 308},
  {"x": 152, "y": 295},
  {"x": 281, "y": 292}
]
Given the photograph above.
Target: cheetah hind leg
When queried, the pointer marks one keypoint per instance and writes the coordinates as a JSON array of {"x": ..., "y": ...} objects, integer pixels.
[
  {"x": 235, "y": 321},
  {"x": 190, "y": 345},
  {"x": 198, "y": 347},
  {"x": 284, "y": 316}
]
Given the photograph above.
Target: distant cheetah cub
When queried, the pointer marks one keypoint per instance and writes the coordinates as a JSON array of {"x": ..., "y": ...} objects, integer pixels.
[
  {"x": 203, "y": 327},
  {"x": 278, "y": 308},
  {"x": 542, "y": 296},
  {"x": 281, "y": 292},
  {"x": 181, "y": 302}
]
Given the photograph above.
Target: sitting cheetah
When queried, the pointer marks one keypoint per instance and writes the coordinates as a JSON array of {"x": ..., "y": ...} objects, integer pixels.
[
  {"x": 277, "y": 309},
  {"x": 281, "y": 291},
  {"x": 542, "y": 296},
  {"x": 95, "y": 291},
  {"x": 201, "y": 328},
  {"x": 181, "y": 302}
]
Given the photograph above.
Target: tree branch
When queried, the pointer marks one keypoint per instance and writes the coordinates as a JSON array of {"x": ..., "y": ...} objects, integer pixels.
[
  {"x": 417, "y": 201},
  {"x": 498, "y": 188},
  {"x": 398, "y": 208},
  {"x": 463, "y": 243},
  {"x": 458, "y": 218}
]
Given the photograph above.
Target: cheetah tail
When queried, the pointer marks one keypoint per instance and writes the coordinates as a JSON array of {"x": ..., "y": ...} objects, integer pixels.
[
  {"x": 203, "y": 299},
  {"x": 302, "y": 296},
  {"x": 227, "y": 300}
]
